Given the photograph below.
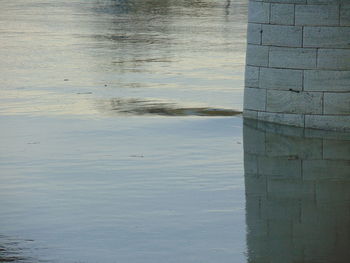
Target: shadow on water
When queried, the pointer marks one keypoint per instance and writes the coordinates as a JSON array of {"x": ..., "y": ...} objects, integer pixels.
[
  {"x": 122, "y": 106},
  {"x": 297, "y": 185}
]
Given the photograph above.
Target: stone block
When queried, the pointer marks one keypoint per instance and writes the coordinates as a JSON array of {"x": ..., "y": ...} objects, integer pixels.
[
  {"x": 280, "y": 230},
  {"x": 326, "y": 134},
  {"x": 255, "y": 185},
  {"x": 327, "y": 37},
  {"x": 254, "y": 99},
  {"x": 336, "y": 149},
  {"x": 293, "y": 58},
  {"x": 333, "y": 191},
  {"x": 323, "y": 2},
  {"x": 259, "y": 12},
  {"x": 254, "y": 34},
  {"x": 329, "y": 170},
  {"x": 294, "y": 102},
  {"x": 317, "y": 15},
  {"x": 283, "y": 130},
  {"x": 250, "y": 162},
  {"x": 250, "y": 114},
  {"x": 327, "y": 122},
  {"x": 256, "y": 227},
  {"x": 345, "y": 14},
  {"x": 283, "y": 36},
  {"x": 323, "y": 80},
  {"x": 282, "y": 118},
  {"x": 252, "y": 77},
  {"x": 334, "y": 59},
  {"x": 293, "y": 146},
  {"x": 253, "y": 141},
  {"x": 279, "y": 167},
  {"x": 282, "y": 14},
  {"x": 281, "y": 79},
  {"x": 253, "y": 208},
  {"x": 337, "y": 103},
  {"x": 291, "y": 190},
  {"x": 257, "y": 55},
  {"x": 285, "y": 1}
]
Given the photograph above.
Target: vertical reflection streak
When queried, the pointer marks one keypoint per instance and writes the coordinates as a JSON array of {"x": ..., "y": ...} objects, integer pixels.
[{"x": 297, "y": 185}]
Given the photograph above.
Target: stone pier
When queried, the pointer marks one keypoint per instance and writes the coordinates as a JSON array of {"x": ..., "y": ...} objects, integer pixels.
[{"x": 298, "y": 63}]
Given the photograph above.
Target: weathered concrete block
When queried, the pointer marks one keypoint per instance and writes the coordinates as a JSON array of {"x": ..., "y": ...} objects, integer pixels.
[
  {"x": 252, "y": 77},
  {"x": 284, "y": 36},
  {"x": 281, "y": 129},
  {"x": 327, "y": 37},
  {"x": 337, "y": 103},
  {"x": 292, "y": 189},
  {"x": 250, "y": 114},
  {"x": 331, "y": 2},
  {"x": 317, "y": 15},
  {"x": 333, "y": 192},
  {"x": 281, "y": 79},
  {"x": 250, "y": 163},
  {"x": 294, "y": 102},
  {"x": 255, "y": 185},
  {"x": 327, "y": 122},
  {"x": 254, "y": 34},
  {"x": 323, "y": 80},
  {"x": 282, "y": 118},
  {"x": 293, "y": 147},
  {"x": 336, "y": 149},
  {"x": 254, "y": 99},
  {"x": 278, "y": 205},
  {"x": 345, "y": 14},
  {"x": 336, "y": 59},
  {"x": 259, "y": 12},
  {"x": 254, "y": 206},
  {"x": 257, "y": 55},
  {"x": 282, "y": 14},
  {"x": 279, "y": 167},
  {"x": 318, "y": 170},
  {"x": 294, "y": 58},
  {"x": 285, "y": 1},
  {"x": 254, "y": 141}
]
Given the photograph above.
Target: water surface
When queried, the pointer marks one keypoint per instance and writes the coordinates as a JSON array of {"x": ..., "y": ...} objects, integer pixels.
[
  {"x": 118, "y": 140},
  {"x": 64, "y": 57}
]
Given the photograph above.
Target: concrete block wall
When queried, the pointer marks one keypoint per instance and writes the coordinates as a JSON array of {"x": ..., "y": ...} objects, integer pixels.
[
  {"x": 297, "y": 194},
  {"x": 298, "y": 63}
]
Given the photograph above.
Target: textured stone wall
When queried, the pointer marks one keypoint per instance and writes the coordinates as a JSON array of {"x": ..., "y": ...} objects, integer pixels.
[
  {"x": 297, "y": 194},
  {"x": 298, "y": 63}
]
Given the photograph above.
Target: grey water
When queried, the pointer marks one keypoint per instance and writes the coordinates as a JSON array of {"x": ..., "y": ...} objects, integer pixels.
[
  {"x": 77, "y": 57},
  {"x": 122, "y": 141},
  {"x": 120, "y": 133}
]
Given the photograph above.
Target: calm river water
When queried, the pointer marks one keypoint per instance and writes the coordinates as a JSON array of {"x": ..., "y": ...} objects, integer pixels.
[
  {"x": 122, "y": 142},
  {"x": 117, "y": 137}
]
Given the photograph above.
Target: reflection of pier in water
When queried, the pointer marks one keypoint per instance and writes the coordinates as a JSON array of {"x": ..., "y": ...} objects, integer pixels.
[{"x": 297, "y": 194}]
